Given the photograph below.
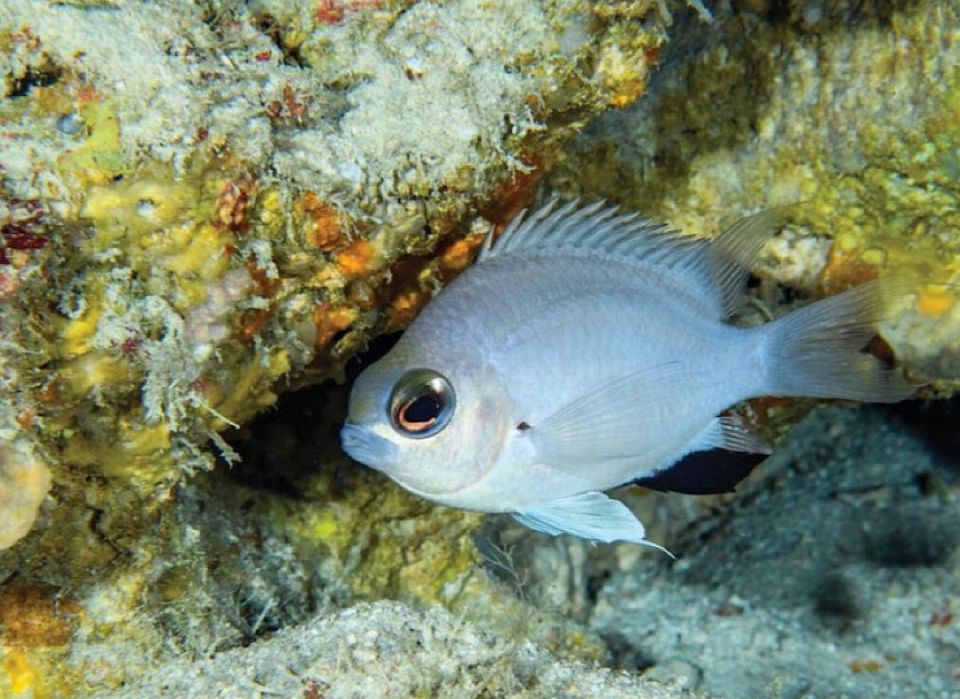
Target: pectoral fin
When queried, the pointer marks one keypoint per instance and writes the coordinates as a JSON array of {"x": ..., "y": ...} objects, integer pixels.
[
  {"x": 590, "y": 515},
  {"x": 614, "y": 421}
]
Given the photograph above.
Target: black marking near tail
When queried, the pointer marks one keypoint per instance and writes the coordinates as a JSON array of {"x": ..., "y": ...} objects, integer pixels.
[{"x": 703, "y": 472}]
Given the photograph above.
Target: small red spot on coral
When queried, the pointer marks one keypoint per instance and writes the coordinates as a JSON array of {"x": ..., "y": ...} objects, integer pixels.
[
  {"x": 203, "y": 133},
  {"x": 313, "y": 689},
  {"x": 17, "y": 232},
  {"x": 16, "y": 236},
  {"x": 329, "y": 12},
  {"x": 333, "y": 11},
  {"x": 652, "y": 55},
  {"x": 252, "y": 322},
  {"x": 51, "y": 392},
  {"x": 274, "y": 109},
  {"x": 263, "y": 56},
  {"x": 323, "y": 228},
  {"x": 231, "y": 206},
  {"x": 940, "y": 618},
  {"x": 86, "y": 94},
  {"x": 266, "y": 286},
  {"x": 130, "y": 345},
  {"x": 513, "y": 195},
  {"x": 296, "y": 108},
  {"x": 9, "y": 283},
  {"x": 25, "y": 418}
]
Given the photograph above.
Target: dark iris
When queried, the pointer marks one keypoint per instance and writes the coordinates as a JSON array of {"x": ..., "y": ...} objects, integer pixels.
[{"x": 424, "y": 409}]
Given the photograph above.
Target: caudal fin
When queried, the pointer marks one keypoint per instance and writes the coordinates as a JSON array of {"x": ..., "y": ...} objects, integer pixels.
[{"x": 818, "y": 350}]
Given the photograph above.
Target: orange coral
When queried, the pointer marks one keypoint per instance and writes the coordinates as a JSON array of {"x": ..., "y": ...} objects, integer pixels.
[
  {"x": 331, "y": 320},
  {"x": 252, "y": 322},
  {"x": 404, "y": 308},
  {"x": 935, "y": 301},
  {"x": 232, "y": 202},
  {"x": 33, "y": 614},
  {"x": 357, "y": 259},
  {"x": 323, "y": 230},
  {"x": 459, "y": 254},
  {"x": 844, "y": 271},
  {"x": 514, "y": 194}
]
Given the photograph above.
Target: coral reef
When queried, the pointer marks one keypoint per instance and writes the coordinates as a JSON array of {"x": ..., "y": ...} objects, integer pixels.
[
  {"x": 213, "y": 202},
  {"x": 203, "y": 205}
]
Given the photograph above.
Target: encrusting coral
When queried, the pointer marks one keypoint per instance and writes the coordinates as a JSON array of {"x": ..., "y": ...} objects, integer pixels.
[
  {"x": 24, "y": 482},
  {"x": 204, "y": 205}
]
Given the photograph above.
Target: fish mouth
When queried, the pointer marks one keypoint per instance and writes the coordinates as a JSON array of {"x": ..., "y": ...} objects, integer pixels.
[{"x": 367, "y": 447}]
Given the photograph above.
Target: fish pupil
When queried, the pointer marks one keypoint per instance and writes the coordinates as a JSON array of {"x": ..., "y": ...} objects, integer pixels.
[
  {"x": 422, "y": 411},
  {"x": 421, "y": 404}
]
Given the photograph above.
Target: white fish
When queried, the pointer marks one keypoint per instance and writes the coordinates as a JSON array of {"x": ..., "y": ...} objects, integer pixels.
[{"x": 589, "y": 349}]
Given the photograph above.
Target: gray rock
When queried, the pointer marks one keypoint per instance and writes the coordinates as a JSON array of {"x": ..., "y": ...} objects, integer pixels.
[
  {"x": 388, "y": 649},
  {"x": 832, "y": 577}
]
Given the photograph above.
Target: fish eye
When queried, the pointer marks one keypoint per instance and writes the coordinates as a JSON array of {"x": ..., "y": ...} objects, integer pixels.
[{"x": 421, "y": 404}]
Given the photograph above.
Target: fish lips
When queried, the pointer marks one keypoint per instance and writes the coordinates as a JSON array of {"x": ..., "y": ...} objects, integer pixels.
[{"x": 363, "y": 445}]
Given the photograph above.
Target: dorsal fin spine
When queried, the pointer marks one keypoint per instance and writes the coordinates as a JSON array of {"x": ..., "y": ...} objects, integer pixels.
[{"x": 718, "y": 268}]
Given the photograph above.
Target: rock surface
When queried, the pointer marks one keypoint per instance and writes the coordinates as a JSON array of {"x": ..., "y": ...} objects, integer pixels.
[{"x": 389, "y": 650}]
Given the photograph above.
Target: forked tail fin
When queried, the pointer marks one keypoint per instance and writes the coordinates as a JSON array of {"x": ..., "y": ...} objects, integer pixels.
[{"x": 818, "y": 350}]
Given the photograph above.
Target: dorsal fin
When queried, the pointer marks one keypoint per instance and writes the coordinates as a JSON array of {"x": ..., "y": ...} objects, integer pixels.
[
  {"x": 734, "y": 252},
  {"x": 716, "y": 268}
]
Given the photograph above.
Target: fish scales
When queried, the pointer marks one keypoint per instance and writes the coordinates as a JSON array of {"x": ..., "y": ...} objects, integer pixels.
[{"x": 588, "y": 349}]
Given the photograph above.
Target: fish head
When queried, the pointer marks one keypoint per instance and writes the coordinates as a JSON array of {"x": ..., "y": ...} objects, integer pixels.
[{"x": 434, "y": 422}]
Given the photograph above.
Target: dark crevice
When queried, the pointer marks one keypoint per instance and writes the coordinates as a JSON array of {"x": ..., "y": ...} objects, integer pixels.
[
  {"x": 268, "y": 24},
  {"x": 33, "y": 77},
  {"x": 282, "y": 447}
]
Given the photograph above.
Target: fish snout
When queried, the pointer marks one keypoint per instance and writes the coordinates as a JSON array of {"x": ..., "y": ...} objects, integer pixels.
[{"x": 367, "y": 447}]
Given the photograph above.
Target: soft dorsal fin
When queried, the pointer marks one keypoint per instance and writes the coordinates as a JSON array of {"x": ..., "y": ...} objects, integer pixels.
[
  {"x": 734, "y": 253},
  {"x": 717, "y": 269}
]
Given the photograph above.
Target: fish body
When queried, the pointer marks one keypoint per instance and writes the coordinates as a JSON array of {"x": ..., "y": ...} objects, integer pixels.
[{"x": 589, "y": 349}]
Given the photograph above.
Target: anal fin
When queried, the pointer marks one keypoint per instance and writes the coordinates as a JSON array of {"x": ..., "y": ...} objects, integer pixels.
[{"x": 591, "y": 515}]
